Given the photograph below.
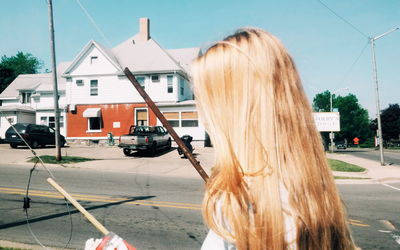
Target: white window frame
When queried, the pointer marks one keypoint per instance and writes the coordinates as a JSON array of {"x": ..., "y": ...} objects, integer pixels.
[
  {"x": 170, "y": 85},
  {"x": 94, "y": 130},
  {"x": 135, "y": 115},
  {"x": 181, "y": 86},
  {"x": 79, "y": 82},
  {"x": 178, "y": 120},
  {"x": 94, "y": 88},
  {"x": 181, "y": 120},
  {"x": 46, "y": 121},
  {"x": 152, "y": 77},
  {"x": 26, "y": 97}
]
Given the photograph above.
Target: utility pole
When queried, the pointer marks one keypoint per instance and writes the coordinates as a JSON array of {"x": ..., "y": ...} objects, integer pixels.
[
  {"x": 331, "y": 134},
  {"x": 55, "y": 86},
  {"x": 378, "y": 108}
]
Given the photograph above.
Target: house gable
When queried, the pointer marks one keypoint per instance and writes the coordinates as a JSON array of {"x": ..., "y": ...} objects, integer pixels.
[{"x": 94, "y": 59}]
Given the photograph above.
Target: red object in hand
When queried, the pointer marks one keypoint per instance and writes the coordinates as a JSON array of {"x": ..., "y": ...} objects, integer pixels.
[{"x": 109, "y": 242}]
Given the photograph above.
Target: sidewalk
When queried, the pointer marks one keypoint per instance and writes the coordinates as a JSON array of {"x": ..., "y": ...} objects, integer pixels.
[
  {"x": 374, "y": 171},
  {"x": 170, "y": 164}
]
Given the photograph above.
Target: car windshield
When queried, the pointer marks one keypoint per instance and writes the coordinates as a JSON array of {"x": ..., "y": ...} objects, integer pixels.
[
  {"x": 21, "y": 128},
  {"x": 144, "y": 130}
]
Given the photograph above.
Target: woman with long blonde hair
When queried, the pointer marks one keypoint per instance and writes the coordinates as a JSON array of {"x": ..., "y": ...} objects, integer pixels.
[{"x": 271, "y": 187}]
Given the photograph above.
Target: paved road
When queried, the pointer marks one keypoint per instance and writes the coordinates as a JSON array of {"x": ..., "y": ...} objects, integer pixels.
[
  {"x": 157, "y": 212},
  {"x": 390, "y": 157},
  {"x": 149, "y": 211}
]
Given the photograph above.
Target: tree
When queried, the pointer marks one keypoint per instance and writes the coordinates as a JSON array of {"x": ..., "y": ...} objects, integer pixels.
[
  {"x": 321, "y": 102},
  {"x": 354, "y": 121},
  {"x": 11, "y": 67},
  {"x": 390, "y": 119}
]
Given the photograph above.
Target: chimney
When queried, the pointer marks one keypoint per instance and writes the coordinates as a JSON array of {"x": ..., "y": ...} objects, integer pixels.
[{"x": 144, "y": 29}]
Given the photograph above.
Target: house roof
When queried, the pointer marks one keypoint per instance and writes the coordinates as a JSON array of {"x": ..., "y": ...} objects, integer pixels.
[
  {"x": 144, "y": 56},
  {"x": 184, "y": 56},
  {"x": 36, "y": 82},
  {"x": 105, "y": 51},
  {"x": 17, "y": 107}
]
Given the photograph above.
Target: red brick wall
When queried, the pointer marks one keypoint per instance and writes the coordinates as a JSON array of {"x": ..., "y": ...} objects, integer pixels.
[{"x": 77, "y": 125}]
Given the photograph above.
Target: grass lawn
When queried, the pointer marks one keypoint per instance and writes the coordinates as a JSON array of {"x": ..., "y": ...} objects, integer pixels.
[
  {"x": 342, "y": 166},
  {"x": 64, "y": 159}
]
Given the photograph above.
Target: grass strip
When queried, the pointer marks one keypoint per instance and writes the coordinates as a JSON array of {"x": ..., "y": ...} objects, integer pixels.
[
  {"x": 342, "y": 166},
  {"x": 348, "y": 177},
  {"x": 10, "y": 248},
  {"x": 50, "y": 159}
]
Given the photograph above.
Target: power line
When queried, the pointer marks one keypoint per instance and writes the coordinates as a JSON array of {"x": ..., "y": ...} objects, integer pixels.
[
  {"x": 355, "y": 62},
  {"x": 93, "y": 22},
  {"x": 344, "y": 20}
]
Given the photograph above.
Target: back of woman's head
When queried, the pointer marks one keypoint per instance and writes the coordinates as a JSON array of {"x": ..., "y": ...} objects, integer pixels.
[{"x": 251, "y": 101}]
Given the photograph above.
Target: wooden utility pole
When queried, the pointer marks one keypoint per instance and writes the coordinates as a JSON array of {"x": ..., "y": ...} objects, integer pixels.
[
  {"x": 166, "y": 124},
  {"x": 55, "y": 86}
]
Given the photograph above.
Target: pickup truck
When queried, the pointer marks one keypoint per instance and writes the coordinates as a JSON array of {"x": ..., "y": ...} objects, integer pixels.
[{"x": 144, "y": 138}]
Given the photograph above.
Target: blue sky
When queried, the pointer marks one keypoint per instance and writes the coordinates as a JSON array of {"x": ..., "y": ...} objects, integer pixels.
[{"x": 323, "y": 46}]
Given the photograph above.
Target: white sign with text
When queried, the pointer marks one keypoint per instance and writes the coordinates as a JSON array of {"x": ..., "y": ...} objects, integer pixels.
[{"x": 327, "y": 121}]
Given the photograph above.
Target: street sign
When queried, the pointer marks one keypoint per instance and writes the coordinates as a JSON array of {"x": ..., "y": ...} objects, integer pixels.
[{"x": 327, "y": 121}]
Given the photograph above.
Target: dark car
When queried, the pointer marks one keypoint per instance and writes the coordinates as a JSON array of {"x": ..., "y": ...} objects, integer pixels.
[
  {"x": 35, "y": 135},
  {"x": 341, "y": 145}
]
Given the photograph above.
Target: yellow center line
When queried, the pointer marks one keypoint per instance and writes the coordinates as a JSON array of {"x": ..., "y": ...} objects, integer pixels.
[{"x": 98, "y": 198}]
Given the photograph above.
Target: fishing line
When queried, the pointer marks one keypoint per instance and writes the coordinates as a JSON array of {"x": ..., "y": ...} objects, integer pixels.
[{"x": 27, "y": 200}]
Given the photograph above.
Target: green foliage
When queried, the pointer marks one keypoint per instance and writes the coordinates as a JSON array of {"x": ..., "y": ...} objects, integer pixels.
[
  {"x": 390, "y": 119},
  {"x": 321, "y": 102},
  {"x": 342, "y": 166},
  {"x": 354, "y": 120},
  {"x": 64, "y": 160},
  {"x": 11, "y": 67}
]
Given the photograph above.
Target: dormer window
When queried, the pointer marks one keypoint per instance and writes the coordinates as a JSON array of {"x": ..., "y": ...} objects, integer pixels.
[
  {"x": 26, "y": 97},
  {"x": 93, "y": 59}
]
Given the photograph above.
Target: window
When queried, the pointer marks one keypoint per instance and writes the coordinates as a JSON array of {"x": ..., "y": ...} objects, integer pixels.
[
  {"x": 141, "y": 117},
  {"x": 155, "y": 78},
  {"x": 189, "y": 119},
  {"x": 172, "y": 118},
  {"x": 43, "y": 120},
  {"x": 94, "y": 90},
  {"x": 79, "y": 82},
  {"x": 51, "y": 121},
  {"x": 182, "y": 86},
  {"x": 94, "y": 124},
  {"x": 93, "y": 59},
  {"x": 140, "y": 80},
  {"x": 26, "y": 97},
  {"x": 170, "y": 85}
]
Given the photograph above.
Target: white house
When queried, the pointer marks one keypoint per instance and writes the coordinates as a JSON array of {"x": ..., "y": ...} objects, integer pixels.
[
  {"x": 102, "y": 100},
  {"x": 29, "y": 98},
  {"x": 98, "y": 98}
]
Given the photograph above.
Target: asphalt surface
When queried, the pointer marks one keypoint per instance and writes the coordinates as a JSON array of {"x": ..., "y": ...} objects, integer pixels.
[
  {"x": 154, "y": 202},
  {"x": 391, "y": 157}
]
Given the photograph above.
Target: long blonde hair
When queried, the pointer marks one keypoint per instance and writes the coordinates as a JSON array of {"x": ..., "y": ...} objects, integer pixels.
[{"x": 251, "y": 101}]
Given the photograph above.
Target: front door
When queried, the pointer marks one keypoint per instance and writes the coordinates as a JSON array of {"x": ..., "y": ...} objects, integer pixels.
[{"x": 141, "y": 117}]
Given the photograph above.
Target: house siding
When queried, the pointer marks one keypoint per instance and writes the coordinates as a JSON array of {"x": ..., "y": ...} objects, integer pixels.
[{"x": 110, "y": 113}]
